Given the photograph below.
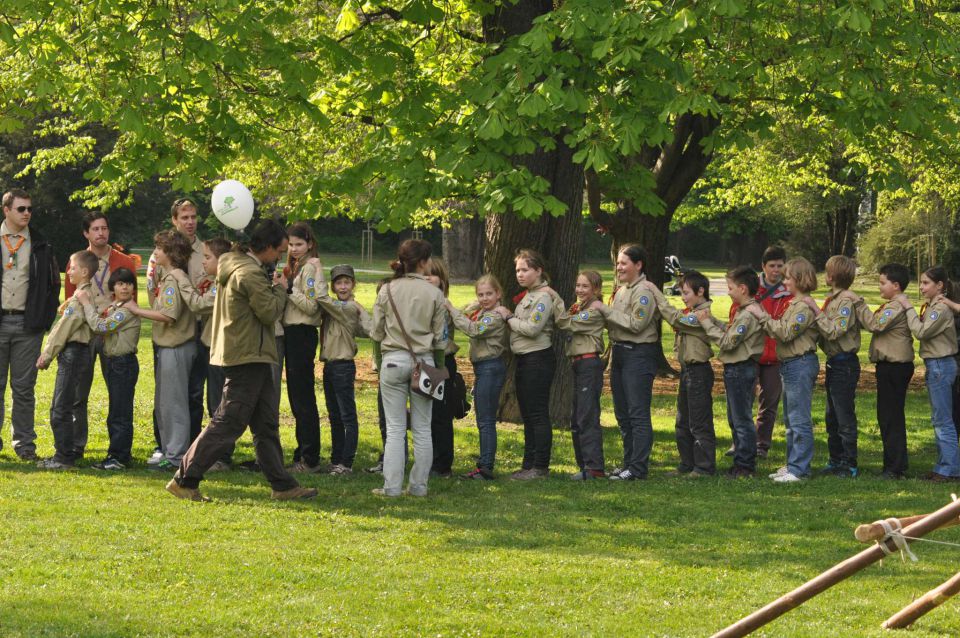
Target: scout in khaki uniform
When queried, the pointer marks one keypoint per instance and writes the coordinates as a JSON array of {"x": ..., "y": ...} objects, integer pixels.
[
  {"x": 531, "y": 330},
  {"x": 343, "y": 321},
  {"x": 585, "y": 323},
  {"x": 935, "y": 329},
  {"x": 891, "y": 349},
  {"x": 68, "y": 342},
  {"x": 696, "y": 439},
  {"x": 741, "y": 344},
  {"x": 120, "y": 329},
  {"x": 488, "y": 341},
  {"x": 632, "y": 319},
  {"x": 797, "y": 351},
  {"x": 840, "y": 341}
]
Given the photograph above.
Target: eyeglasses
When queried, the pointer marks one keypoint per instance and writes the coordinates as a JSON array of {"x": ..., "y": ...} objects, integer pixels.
[{"x": 21, "y": 209}]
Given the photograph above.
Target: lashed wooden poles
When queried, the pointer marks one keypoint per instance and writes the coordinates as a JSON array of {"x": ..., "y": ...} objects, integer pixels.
[
  {"x": 931, "y": 600},
  {"x": 869, "y": 532},
  {"x": 836, "y": 574}
]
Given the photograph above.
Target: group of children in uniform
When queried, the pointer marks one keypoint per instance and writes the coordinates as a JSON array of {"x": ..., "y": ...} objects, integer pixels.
[{"x": 333, "y": 320}]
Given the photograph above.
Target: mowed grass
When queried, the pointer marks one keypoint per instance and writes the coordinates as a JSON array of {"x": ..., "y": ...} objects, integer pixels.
[{"x": 93, "y": 554}]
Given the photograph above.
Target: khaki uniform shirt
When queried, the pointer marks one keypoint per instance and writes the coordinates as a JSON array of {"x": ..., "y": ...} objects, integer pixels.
[
  {"x": 170, "y": 303},
  {"x": 302, "y": 307},
  {"x": 740, "y": 340},
  {"x": 891, "y": 340},
  {"x": 100, "y": 291},
  {"x": 422, "y": 312},
  {"x": 691, "y": 344},
  {"x": 450, "y": 331},
  {"x": 631, "y": 315},
  {"x": 487, "y": 331},
  {"x": 16, "y": 279},
  {"x": 195, "y": 270},
  {"x": 838, "y": 327},
  {"x": 532, "y": 324},
  {"x": 118, "y": 325},
  {"x": 199, "y": 300},
  {"x": 71, "y": 326},
  {"x": 343, "y": 321},
  {"x": 585, "y": 328},
  {"x": 935, "y": 330},
  {"x": 792, "y": 331}
]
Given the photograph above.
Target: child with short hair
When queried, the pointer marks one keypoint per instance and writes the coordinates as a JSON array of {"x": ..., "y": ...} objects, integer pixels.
[
  {"x": 840, "y": 341},
  {"x": 585, "y": 323},
  {"x": 343, "y": 321},
  {"x": 797, "y": 352},
  {"x": 891, "y": 349},
  {"x": 696, "y": 439},
  {"x": 441, "y": 420},
  {"x": 120, "y": 329},
  {"x": 741, "y": 343},
  {"x": 68, "y": 342},
  {"x": 935, "y": 330}
]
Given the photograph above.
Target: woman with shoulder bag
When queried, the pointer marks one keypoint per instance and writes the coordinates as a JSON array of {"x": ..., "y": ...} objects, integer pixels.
[{"x": 409, "y": 318}]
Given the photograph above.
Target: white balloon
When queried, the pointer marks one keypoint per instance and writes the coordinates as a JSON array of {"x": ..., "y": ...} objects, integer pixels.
[{"x": 232, "y": 204}]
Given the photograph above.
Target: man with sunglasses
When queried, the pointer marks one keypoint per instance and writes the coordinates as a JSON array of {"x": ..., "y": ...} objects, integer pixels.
[{"x": 29, "y": 295}]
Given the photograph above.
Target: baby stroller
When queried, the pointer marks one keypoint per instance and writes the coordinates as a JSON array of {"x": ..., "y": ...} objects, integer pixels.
[{"x": 673, "y": 270}]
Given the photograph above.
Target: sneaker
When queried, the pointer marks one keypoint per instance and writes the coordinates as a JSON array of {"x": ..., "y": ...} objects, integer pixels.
[
  {"x": 842, "y": 471},
  {"x": 109, "y": 464},
  {"x": 478, "y": 474},
  {"x": 163, "y": 466},
  {"x": 219, "y": 466},
  {"x": 186, "y": 493},
  {"x": 625, "y": 475},
  {"x": 532, "y": 474},
  {"x": 891, "y": 476},
  {"x": 587, "y": 475},
  {"x": 249, "y": 466},
  {"x": 299, "y": 493},
  {"x": 786, "y": 477},
  {"x": 736, "y": 472},
  {"x": 340, "y": 468},
  {"x": 831, "y": 468},
  {"x": 302, "y": 467},
  {"x": 375, "y": 469},
  {"x": 780, "y": 472},
  {"x": 413, "y": 492},
  {"x": 521, "y": 475},
  {"x": 379, "y": 491},
  {"x": 730, "y": 450},
  {"x": 697, "y": 474},
  {"x": 29, "y": 456},
  {"x": 615, "y": 471},
  {"x": 155, "y": 458},
  {"x": 936, "y": 477},
  {"x": 443, "y": 475},
  {"x": 53, "y": 464}
]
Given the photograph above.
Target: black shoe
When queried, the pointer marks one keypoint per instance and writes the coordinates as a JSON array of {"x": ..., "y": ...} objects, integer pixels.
[
  {"x": 28, "y": 456},
  {"x": 438, "y": 474},
  {"x": 736, "y": 472},
  {"x": 891, "y": 476},
  {"x": 250, "y": 466},
  {"x": 479, "y": 474}
]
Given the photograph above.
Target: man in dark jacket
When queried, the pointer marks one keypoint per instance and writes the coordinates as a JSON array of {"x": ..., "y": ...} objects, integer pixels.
[{"x": 29, "y": 294}]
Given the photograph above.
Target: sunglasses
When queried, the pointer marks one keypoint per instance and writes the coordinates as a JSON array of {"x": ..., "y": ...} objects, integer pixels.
[{"x": 21, "y": 209}]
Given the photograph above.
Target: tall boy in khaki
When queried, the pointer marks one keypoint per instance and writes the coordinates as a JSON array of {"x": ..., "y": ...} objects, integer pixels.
[
  {"x": 68, "y": 342},
  {"x": 740, "y": 343}
]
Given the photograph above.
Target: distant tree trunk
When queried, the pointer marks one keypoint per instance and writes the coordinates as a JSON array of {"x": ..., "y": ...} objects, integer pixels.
[
  {"x": 463, "y": 248},
  {"x": 559, "y": 239}
]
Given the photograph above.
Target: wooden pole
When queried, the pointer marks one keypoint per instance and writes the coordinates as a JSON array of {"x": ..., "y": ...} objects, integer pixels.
[
  {"x": 835, "y": 574},
  {"x": 869, "y": 532},
  {"x": 929, "y": 601}
]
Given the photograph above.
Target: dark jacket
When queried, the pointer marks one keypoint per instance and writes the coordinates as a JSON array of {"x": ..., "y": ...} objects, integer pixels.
[{"x": 43, "y": 291}]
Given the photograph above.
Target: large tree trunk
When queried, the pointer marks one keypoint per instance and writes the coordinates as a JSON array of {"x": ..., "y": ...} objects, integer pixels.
[
  {"x": 463, "y": 248},
  {"x": 558, "y": 239}
]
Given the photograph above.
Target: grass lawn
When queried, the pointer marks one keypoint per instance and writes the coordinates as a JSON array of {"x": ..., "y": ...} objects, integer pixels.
[{"x": 91, "y": 554}]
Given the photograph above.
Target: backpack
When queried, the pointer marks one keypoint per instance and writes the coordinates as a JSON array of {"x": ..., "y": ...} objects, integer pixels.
[{"x": 456, "y": 396}]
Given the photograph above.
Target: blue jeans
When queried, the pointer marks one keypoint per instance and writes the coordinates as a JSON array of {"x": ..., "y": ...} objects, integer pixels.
[
  {"x": 339, "y": 378},
  {"x": 489, "y": 376},
  {"x": 738, "y": 380},
  {"x": 799, "y": 376},
  {"x": 843, "y": 373},
  {"x": 941, "y": 373},
  {"x": 122, "y": 373},
  {"x": 632, "y": 369}
]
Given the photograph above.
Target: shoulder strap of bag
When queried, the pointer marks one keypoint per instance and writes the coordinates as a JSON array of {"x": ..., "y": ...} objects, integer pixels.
[{"x": 403, "y": 330}]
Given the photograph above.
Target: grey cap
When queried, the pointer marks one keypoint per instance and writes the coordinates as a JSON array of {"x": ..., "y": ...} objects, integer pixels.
[{"x": 343, "y": 270}]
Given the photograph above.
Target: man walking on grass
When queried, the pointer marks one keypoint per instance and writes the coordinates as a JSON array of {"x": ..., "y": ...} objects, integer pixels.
[{"x": 247, "y": 306}]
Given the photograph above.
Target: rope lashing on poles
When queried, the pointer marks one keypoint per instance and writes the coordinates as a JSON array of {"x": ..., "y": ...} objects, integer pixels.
[{"x": 893, "y": 531}]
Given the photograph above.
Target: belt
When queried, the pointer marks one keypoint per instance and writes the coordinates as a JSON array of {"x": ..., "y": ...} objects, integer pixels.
[
  {"x": 7, "y": 313},
  {"x": 589, "y": 355}
]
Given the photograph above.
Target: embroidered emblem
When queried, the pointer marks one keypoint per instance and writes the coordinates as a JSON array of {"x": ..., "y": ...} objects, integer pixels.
[
  {"x": 887, "y": 313},
  {"x": 796, "y": 327},
  {"x": 801, "y": 318},
  {"x": 741, "y": 329},
  {"x": 690, "y": 319},
  {"x": 843, "y": 323},
  {"x": 311, "y": 293},
  {"x": 584, "y": 315},
  {"x": 541, "y": 307},
  {"x": 482, "y": 329},
  {"x": 169, "y": 291},
  {"x": 118, "y": 316},
  {"x": 68, "y": 311},
  {"x": 845, "y": 311},
  {"x": 168, "y": 301},
  {"x": 487, "y": 320},
  {"x": 537, "y": 317},
  {"x": 644, "y": 300},
  {"x": 311, "y": 281},
  {"x": 111, "y": 325},
  {"x": 934, "y": 315},
  {"x": 882, "y": 320},
  {"x": 641, "y": 313},
  {"x": 213, "y": 290}
]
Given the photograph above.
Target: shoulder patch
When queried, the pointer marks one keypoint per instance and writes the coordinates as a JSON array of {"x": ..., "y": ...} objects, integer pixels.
[
  {"x": 487, "y": 320},
  {"x": 888, "y": 313},
  {"x": 482, "y": 328},
  {"x": 741, "y": 329},
  {"x": 843, "y": 323},
  {"x": 644, "y": 300},
  {"x": 641, "y": 313},
  {"x": 845, "y": 311},
  {"x": 584, "y": 315},
  {"x": 541, "y": 307},
  {"x": 68, "y": 311},
  {"x": 169, "y": 290},
  {"x": 801, "y": 318},
  {"x": 934, "y": 315},
  {"x": 119, "y": 316},
  {"x": 690, "y": 320},
  {"x": 537, "y": 317},
  {"x": 311, "y": 281}
]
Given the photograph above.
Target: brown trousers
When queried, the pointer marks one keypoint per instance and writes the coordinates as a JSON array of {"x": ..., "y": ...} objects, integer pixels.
[{"x": 250, "y": 396}]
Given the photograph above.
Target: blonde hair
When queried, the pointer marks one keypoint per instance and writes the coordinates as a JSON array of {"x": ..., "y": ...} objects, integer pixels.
[
  {"x": 842, "y": 270},
  {"x": 803, "y": 273},
  {"x": 438, "y": 268},
  {"x": 595, "y": 280},
  {"x": 491, "y": 281}
]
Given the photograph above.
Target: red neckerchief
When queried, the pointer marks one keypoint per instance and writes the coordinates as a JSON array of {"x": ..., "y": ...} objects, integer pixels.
[
  {"x": 826, "y": 303},
  {"x": 476, "y": 314},
  {"x": 880, "y": 309},
  {"x": 575, "y": 308},
  {"x": 518, "y": 298},
  {"x": 204, "y": 286},
  {"x": 923, "y": 310}
]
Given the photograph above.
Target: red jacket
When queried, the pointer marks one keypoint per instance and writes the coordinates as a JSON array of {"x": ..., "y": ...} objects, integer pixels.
[
  {"x": 775, "y": 304},
  {"x": 116, "y": 260}
]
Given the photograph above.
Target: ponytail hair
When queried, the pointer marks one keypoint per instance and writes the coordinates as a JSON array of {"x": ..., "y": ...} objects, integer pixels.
[
  {"x": 938, "y": 275},
  {"x": 409, "y": 256},
  {"x": 636, "y": 254},
  {"x": 300, "y": 230},
  {"x": 533, "y": 260}
]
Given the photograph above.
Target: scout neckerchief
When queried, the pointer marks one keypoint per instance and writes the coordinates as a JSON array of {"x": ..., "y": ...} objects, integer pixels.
[
  {"x": 826, "y": 303},
  {"x": 103, "y": 276},
  {"x": 13, "y": 250},
  {"x": 923, "y": 310}
]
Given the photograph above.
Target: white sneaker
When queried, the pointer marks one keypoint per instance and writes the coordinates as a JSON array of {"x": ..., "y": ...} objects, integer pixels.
[
  {"x": 780, "y": 472},
  {"x": 786, "y": 478},
  {"x": 155, "y": 458}
]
